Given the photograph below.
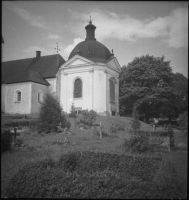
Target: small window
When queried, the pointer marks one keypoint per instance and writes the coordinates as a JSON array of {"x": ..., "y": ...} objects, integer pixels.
[
  {"x": 112, "y": 90},
  {"x": 39, "y": 97},
  {"x": 77, "y": 88},
  {"x": 18, "y": 96}
]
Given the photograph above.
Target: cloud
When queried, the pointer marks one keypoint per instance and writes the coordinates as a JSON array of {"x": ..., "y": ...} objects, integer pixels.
[
  {"x": 32, "y": 19},
  {"x": 172, "y": 29},
  {"x": 53, "y": 37},
  {"x": 70, "y": 47}
]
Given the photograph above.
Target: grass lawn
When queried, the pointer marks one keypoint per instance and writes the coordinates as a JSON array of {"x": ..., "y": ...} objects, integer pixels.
[{"x": 39, "y": 146}]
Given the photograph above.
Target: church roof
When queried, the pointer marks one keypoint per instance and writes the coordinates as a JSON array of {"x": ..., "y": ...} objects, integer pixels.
[
  {"x": 90, "y": 48},
  {"x": 31, "y": 69},
  {"x": 28, "y": 75}
]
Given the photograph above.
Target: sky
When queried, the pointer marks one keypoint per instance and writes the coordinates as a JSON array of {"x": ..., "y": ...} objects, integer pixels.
[{"x": 131, "y": 28}]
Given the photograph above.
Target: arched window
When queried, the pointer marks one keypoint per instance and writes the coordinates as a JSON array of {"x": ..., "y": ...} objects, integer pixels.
[
  {"x": 18, "y": 96},
  {"x": 77, "y": 88},
  {"x": 39, "y": 97},
  {"x": 112, "y": 90}
]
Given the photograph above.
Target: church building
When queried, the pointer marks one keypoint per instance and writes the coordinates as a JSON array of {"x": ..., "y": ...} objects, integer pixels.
[{"x": 89, "y": 79}]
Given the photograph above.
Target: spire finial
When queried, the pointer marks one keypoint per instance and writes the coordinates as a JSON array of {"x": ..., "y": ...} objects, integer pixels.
[
  {"x": 90, "y": 22},
  {"x": 112, "y": 52},
  {"x": 57, "y": 49}
]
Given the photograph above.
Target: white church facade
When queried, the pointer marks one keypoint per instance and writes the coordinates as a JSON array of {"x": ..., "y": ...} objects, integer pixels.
[{"x": 89, "y": 79}]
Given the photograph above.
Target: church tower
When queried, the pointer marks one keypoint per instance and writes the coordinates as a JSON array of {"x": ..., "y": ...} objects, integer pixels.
[{"x": 89, "y": 79}]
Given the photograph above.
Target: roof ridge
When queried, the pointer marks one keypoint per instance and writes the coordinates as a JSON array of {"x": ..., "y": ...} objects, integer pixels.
[{"x": 30, "y": 58}]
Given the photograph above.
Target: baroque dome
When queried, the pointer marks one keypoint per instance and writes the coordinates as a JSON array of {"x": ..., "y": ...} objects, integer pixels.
[{"x": 90, "y": 48}]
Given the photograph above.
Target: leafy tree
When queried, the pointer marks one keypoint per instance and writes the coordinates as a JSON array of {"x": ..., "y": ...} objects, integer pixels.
[
  {"x": 51, "y": 114},
  {"x": 180, "y": 85},
  {"x": 147, "y": 84}
]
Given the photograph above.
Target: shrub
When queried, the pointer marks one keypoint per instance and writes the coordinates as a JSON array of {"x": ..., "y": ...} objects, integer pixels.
[
  {"x": 6, "y": 140},
  {"x": 73, "y": 113},
  {"x": 96, "y": 132},
  {"x": 18, "y": 142},
  {"x": 172, "y": 139},
  {"x": 114, "y": 127},
  {"x": 137, "y": 143},
  {"x": 92, "y": 175},
  {"x": 50, "y": 114},
  {"x": 183, "y": 121},
  {"x": 88, "y": 117}
]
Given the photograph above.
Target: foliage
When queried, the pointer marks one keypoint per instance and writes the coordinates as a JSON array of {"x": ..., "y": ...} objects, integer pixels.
[
  {"x": 114, "y": 127},
  {"x": 50, "y": 114},
  {"x": 72, "y": 113},
  {"x": 171, "y": 135},
  {"x": 148, "y": 83},
  {"x": 6, "y": 140},
  {"x": 137, "y": 143},
  {"x": 18, "y": 142},
  {"x": 88, "y": 117},
  {"x": 94, "y": 175},
  {"x": 135, "y": 123},
  {"x": 180, "y": 85},
  {"x": 183, "y": 121},
  {"x": 17, "y": 123}
]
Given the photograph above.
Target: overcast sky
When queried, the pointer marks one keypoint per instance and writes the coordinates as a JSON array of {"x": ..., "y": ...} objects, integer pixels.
[{"x": 130, "y": 28}]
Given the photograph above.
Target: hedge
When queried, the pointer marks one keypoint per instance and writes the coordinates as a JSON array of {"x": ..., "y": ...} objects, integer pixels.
[
  {"x": 6, "y": 140},
  {"x": 92, "y": 175}
]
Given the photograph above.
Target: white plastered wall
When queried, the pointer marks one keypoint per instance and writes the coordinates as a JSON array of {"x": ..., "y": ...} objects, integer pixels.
[
  {"x": 95, "y": 77},
  {"x": 22, "y": 107},
  {"x": 3, "y": 96}
]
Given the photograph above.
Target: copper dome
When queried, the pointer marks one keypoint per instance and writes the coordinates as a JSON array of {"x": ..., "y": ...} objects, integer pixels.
[{"x": 90, "y": 48}]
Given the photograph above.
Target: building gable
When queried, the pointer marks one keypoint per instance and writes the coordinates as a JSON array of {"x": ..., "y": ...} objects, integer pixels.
[
  {"x": 76, "y": 61},
  {"x": 114, "y": 64}
]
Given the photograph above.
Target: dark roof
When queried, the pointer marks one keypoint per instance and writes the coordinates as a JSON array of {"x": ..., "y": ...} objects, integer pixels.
[
  {"x": 31, "y": 69},
  {"x": 92, "y": 50},
  {"x": 28, "y": 75},
  {"x": 2, "y": 41}
]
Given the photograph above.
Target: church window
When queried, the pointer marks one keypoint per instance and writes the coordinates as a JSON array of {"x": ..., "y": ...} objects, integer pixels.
[
  {"x": 112, "y": 90},
  {"x": 39, "y": 97},
  {"x": 78, "y": 88},
  {"x": 18, "y": 96}
]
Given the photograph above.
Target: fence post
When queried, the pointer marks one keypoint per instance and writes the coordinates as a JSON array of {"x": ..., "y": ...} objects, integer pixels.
[
  {"x": 100, "y": 131},
  {"x": 169, "y": 144},
  {"x": 15, "y": 129}
]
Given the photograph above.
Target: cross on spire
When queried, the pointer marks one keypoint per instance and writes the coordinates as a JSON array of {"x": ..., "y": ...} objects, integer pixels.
[
  {"x": 57, "y": 49},
  {"x": 90, "y": 22}
]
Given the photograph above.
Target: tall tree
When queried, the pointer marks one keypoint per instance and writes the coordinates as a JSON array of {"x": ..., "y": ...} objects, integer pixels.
[{"x": 146, "y": 83}]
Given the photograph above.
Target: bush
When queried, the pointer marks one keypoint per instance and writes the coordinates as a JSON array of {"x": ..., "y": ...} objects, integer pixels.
[
  {"x": 114, "y": 127},
  {"x": 88, "y": 117},
  {"x": 6, "y": 140},
  {"x": 51, "y": 114},
  {"x": 137, "y": 143},
  {"x": 183, "y": 121},
  {"x": 92, "y": 175},
  {"x": 18, "y": 142},
  {"x": 73, "y": 113}
]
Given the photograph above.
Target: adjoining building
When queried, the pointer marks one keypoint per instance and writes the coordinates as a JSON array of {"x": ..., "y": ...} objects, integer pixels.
[{"x": 88, "y": 79}]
